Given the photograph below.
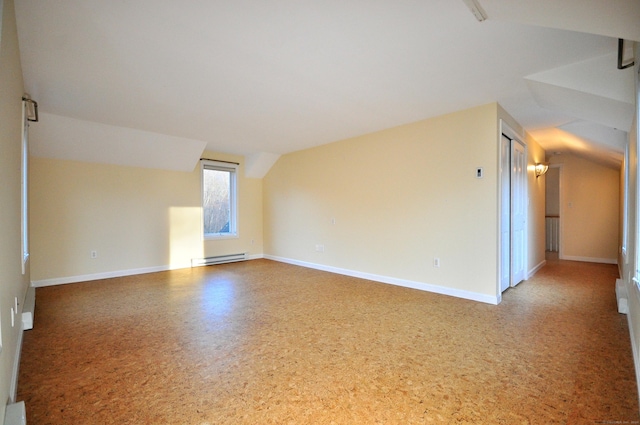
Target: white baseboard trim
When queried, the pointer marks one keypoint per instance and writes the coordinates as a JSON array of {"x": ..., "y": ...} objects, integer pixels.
[
  {"x": 473, "y": 296},
  {"x": 117, "y": 273},
  {"x": 534, "y": 270},
  {"x": 98, "y": 276},
  {"x": 590, "y": 259}
]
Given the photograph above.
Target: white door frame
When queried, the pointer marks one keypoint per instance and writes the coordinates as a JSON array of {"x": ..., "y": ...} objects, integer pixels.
[
  {"x": 518, "y": 219},
  {"x": 504, "y": 222},
  {"x": 505, "y": 129}
]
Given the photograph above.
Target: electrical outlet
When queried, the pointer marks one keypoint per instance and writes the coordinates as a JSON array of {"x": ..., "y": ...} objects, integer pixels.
[
  {"x": 94, "y": 254},
  {"x": 319, "y": 248},
  {"x": 436, "y": 262}
]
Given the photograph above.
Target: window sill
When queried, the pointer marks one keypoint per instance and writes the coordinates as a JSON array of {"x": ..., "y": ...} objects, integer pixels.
[{"x": 215, "y": 237}]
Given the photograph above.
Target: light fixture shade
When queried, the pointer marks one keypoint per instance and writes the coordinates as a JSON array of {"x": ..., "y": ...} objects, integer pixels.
[{"x": 541, "y": 168}]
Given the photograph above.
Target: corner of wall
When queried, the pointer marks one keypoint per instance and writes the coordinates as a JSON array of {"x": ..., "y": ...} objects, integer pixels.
[{"x": 13, "y": 282}]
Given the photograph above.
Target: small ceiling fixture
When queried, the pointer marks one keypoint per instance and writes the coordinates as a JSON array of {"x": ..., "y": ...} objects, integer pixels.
[
  {"x": 476, "y": 9},
  {"x": 541, "y": 169}
]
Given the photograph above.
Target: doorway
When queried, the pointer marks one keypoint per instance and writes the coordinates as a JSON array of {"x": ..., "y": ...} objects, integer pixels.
[
  {"x": 552, "y": 213},
  {"x": 513, "y": 209}
]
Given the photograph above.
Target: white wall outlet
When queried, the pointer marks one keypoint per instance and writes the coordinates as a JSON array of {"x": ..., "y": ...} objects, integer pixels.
[
  {"x": 94, "y": 254},
  {"x": 319, "y": 248},
  {"x": 333, "y": 221},
  {"x": 436, "y": 262}
]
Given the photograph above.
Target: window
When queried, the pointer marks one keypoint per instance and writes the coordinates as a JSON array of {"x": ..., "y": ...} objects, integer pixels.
[
  {"x": 24, "y": 187},
  {"x": 219, "y": 199},
  {"x": 625, "y": 207}
]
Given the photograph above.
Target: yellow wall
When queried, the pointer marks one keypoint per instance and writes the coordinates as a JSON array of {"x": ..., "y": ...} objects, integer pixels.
[
  {"x": 536, "y": 210},
  {"x": 137, "y": 219},
  {"x": 12, "y": 282},
  {"x": 589, "y": 209},
  {"x": 399, "y": 197}
]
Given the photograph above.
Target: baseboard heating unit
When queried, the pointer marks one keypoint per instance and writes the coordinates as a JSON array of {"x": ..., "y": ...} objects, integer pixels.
[
  {"x": 219, "y": 259},
  {"x": 622, "y": 297},
  {"x": 15, "y": 414}
]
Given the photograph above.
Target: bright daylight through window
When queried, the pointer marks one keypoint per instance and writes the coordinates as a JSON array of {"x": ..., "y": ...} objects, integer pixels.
[{"x": 219, "y": 199}]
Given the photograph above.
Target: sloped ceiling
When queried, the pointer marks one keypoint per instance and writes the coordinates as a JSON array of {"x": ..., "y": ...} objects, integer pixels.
[
  {"x": 598, "y": 96},
  {"x": 73, "y": 139},
  {"x": 587, "y": 106},
  {"x": 263, "y": 78}
]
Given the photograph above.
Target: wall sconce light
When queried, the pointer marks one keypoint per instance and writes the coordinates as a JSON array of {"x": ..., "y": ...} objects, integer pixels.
[{"x": 541, "y": 169}]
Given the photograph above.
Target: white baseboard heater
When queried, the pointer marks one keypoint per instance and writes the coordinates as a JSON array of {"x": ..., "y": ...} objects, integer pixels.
[
  {"x": 219, "y": 259},
  {"x": 29, "y": 308},
  {"x": 622, "y": 297},
  {"x": 15, "y": 414},
  {"x": 552, "y": 228}
]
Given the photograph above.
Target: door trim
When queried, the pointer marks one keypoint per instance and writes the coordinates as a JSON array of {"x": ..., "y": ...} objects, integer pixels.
[
  {"x": 519, "y": 208},
  {"x": 504, "y": 128}
]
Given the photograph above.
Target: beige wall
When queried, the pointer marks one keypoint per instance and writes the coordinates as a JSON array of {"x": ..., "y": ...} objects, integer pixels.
[
  {"x": 589, "y": 209},
  {"x": 12, "y": 282},
  {"x": 399, "y": 198},
  {"x": 137, "y": 219}
]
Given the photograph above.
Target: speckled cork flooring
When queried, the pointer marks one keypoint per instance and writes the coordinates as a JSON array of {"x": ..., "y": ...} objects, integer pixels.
[{"x": 262, "y": 342}]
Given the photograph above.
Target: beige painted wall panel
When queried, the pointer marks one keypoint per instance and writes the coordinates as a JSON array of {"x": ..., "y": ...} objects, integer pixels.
[
  {"x": 399, "y": 197},
  {"x": 590, "y": 209},
  {"x": 12, "y": 282},
  {"x": 135, "y": 218},
  {"x": 536, "y": 210}
]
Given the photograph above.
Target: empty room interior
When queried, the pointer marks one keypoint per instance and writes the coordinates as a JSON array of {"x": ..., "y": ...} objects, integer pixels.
[{"x": 319, "y": 212}]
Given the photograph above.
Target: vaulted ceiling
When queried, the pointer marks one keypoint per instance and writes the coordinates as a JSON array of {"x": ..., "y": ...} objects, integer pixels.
[{"x": 153, "y": 83}]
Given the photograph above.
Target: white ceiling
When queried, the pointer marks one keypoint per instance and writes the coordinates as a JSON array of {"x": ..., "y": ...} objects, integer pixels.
[{"x": 263, "y": 78}]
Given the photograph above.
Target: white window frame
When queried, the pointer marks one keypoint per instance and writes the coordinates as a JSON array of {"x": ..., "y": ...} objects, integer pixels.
[
  {"x": 625, "y": 206},
  {"x": 636, "y": 241},
  {"x": 232, "y": 168},
  {"x": 24, "y": 189}
]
